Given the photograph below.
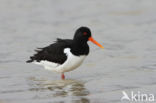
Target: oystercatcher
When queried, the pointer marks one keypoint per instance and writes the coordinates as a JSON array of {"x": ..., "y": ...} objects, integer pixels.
[{"x": 65, "y": 54}]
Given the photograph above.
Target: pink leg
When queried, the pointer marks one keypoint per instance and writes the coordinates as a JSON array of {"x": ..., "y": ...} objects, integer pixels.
[{"x": 62, "y": 76}]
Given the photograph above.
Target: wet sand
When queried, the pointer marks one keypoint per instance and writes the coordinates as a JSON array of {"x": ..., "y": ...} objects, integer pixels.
[{"x": 126, "y": 28}]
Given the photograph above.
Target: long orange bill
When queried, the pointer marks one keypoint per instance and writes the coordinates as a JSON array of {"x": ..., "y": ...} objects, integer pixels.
[{"x": 95, "y": 42}]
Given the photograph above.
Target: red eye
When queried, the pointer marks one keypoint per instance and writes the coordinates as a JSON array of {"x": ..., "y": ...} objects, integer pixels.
[{"x": 84, "y": 33}]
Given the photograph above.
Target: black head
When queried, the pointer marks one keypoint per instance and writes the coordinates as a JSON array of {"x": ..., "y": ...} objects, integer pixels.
[{"x": 82, "y": 34}]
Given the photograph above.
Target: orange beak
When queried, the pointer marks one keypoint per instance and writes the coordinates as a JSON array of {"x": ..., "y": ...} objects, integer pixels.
[{"x": 95, "y": 42}]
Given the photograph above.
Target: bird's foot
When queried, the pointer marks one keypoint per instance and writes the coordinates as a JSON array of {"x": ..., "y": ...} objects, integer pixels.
[{"x": 63, "y": 76}]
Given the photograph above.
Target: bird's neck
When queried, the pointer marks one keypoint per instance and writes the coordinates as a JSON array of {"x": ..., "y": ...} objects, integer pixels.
[{"x": 80, "y": 48}]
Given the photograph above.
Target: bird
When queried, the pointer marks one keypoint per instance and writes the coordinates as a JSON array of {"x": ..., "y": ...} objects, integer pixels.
[{"x": 65, "y": 55}]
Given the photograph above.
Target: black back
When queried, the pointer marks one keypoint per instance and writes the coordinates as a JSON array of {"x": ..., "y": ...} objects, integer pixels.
[{"x": 53, "y": 52}]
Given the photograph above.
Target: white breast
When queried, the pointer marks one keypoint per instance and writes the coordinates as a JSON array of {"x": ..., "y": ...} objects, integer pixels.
[{"x": 71, "y": 63}]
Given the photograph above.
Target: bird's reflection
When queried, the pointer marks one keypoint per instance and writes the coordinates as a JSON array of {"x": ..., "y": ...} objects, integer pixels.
[{"x": 62, "y": 88}]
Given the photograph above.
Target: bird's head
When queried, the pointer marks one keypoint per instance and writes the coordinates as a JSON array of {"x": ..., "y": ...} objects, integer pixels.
[{"x": 83, "y": 34}]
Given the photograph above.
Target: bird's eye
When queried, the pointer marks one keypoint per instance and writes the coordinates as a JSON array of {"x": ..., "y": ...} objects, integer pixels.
[{"x": 84, "y": 33}]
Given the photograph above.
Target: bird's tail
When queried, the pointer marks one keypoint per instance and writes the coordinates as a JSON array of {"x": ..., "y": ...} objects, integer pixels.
[{"x": 31, "y": 60}]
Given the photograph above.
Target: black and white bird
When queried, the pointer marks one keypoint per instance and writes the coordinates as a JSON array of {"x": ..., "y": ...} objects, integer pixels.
[{"x": 65, "y": 54}]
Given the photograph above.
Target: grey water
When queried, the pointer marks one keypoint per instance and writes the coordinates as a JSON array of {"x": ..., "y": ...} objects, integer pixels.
[{"x": 126, "y": 28}]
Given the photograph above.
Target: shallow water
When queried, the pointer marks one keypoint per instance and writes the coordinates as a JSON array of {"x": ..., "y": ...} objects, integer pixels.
[{"x": 126, "y": 28}]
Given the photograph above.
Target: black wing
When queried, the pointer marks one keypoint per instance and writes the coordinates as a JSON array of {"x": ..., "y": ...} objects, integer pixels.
[{"x": 53, "y": 52}]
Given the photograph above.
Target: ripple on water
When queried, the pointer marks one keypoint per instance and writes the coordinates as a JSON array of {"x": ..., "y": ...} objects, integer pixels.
[{"x": 60, "y": 88}]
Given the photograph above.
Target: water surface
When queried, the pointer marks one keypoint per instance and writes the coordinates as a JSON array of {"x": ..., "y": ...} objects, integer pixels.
[{"x": 126, "y": 28}]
